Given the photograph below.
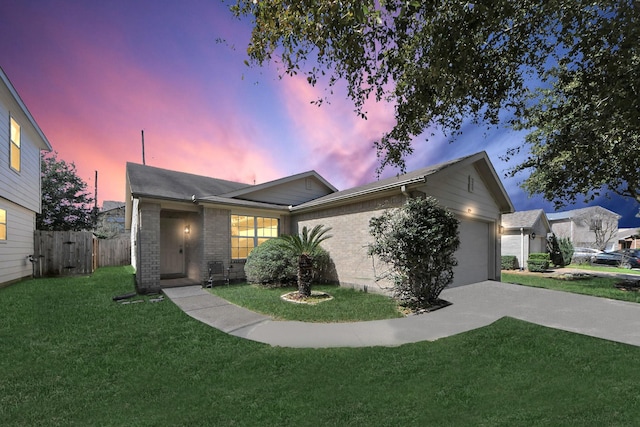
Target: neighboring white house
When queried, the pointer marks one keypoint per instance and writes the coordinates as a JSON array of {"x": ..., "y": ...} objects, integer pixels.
[
  {"x": 21, "y": 141},
  {"x": 523, "y": 233},
  {"x": 592, "y": 227}
]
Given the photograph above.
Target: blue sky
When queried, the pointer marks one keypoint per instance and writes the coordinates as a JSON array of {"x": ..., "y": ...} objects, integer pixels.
[{"x": 96, "y": 73}]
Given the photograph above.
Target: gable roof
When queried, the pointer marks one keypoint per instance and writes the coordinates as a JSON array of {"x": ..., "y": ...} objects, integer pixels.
[
  {"x": 158, "y": 183},
  {"x": 480, "y": 160},
  {"x": 524, "y": 219},
  {"x": 43, "y": 142},
  {"x": 108, "y": 205},
  {"x": 247, "y": 191},
  {"x": 628, "y": 233},
  {"x": 161, "y": 183},
  {"x": 558, "y": 216}
]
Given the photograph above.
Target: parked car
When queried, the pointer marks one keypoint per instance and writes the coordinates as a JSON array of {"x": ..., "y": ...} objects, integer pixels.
[
  {"x": 626, "y": 258},
  {"x": 587, "y": 254}
]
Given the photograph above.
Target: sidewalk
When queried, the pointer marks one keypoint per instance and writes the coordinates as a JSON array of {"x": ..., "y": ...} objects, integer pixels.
[{"x": 474, "y": 306}]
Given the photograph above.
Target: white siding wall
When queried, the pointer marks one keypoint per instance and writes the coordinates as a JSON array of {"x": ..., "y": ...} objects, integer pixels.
[
  {"x": 514, "y": 244},
  {"x": 14, "y": 252},
  {"x": 22, "y": 188}
]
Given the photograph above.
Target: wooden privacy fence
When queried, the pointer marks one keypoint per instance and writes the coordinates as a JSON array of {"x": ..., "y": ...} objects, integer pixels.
[
  {"x": 66, "y": 253},
  {"x": 114, "y": 251}
]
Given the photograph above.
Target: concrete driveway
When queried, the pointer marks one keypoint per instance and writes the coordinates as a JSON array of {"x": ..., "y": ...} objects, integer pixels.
[{"x": 474, "y": 306}]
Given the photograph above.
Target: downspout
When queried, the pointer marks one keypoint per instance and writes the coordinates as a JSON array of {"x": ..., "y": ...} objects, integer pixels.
[{"x": 521, "y": 248}]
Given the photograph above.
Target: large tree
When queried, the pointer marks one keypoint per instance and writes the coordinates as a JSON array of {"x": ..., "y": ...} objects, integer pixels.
[
  {"x": 66, "y": 203},
  {"x": 567, "y": 69}
]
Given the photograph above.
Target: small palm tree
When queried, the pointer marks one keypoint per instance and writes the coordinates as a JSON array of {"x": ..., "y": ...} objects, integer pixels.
[{"x": 304, "y": 247}]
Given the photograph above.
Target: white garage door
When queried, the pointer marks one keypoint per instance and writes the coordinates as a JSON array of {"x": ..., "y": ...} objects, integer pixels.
[{"x": 474, "y": 254}]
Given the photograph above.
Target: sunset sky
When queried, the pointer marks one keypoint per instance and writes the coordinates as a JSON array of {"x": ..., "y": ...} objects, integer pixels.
[{"x": 94, "y": 74}]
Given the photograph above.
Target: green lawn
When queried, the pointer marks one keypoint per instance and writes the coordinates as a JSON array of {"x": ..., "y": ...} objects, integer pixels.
[
  {"x": 596, "y": 286},
  {"x": 347, "y": 304},
  {"x": 72, "y": 357}
]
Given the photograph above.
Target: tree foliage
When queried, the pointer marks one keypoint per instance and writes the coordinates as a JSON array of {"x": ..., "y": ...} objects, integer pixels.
[
  {"x": 418, "y": 241},
  {"x": 66, "y": 203},
  {"x": 568, "y": 70},
  {"x": 305, "y": 246},
  {"x": 560, "y": 250}
]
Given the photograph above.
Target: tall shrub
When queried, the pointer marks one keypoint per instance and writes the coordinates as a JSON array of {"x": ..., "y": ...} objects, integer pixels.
[
  {"x": 418, "y": 242},
  {"x": 566, "y": 248},
  {"x": 560, "y": 250}
]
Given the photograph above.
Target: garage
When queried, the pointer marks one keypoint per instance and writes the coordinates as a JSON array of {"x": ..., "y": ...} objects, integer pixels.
[{"x": 473, "y": 254}]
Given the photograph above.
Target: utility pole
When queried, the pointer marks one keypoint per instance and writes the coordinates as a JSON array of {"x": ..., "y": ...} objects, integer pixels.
[
  {"x": 143, "y": 162},
  {"x": 95, "y": 205}
]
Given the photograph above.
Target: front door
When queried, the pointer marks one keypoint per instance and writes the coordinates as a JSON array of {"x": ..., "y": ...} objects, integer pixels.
[{"x": 171, "y": 247}]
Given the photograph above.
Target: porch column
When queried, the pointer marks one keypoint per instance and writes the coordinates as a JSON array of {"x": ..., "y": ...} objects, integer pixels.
[{"x": 148, "y": 274}]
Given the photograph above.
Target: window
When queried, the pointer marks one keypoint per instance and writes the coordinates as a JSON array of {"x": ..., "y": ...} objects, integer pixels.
[
  {"x": 14, "y": 152},
  {"x": 596, "y": 225},
  {"x": 3, "y": 225},
  {"x": 247, "y": 232}
]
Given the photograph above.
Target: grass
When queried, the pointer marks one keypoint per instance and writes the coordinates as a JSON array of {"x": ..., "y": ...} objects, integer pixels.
[
  {"x": 596, "y": 286},
  {"x": 347, "y": 305},
  {"x": 72, "y": 357}
]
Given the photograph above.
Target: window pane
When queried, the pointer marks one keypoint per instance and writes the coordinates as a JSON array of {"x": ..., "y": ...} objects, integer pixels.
[
  {"x": 15, "y": 132},
  {"x": 3, "y": 232},
  {"x": 3, "y": 216},
  {"x": 267, "y": 227},
  {"x": 15, "y": 157},
  {"x": 248, "y": 232}
]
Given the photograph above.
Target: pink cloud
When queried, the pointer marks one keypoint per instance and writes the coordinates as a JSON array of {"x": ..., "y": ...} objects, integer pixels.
[
  {"x": 96, "y": 100},
  {"x": 339, "y": 142}
]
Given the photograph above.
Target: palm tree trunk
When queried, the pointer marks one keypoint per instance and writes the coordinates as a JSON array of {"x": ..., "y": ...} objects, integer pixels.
[{"x": 305, "y": 273}]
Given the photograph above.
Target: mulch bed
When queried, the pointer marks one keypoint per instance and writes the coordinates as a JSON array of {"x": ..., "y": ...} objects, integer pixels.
[{"x": 628, "y": 285}]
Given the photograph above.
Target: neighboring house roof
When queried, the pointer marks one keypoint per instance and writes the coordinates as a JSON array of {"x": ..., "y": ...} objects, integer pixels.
[
  {"x": 524, "y": 219},
  {"x": 628, "y": 233},
  {"x": 108, "y": 205},
  {"x": 480, "y": 160},
  {"x": 558, "y": 216},
  {"x": 43, "y": 142}
]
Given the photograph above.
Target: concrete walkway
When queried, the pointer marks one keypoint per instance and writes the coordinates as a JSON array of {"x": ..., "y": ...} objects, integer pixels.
[{"x": 474, "y": 306}]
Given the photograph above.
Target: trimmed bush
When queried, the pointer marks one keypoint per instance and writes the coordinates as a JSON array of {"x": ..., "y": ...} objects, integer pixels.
[
  {"x": 273, "y": 264},
  {"x": 509, "y": 262},
  {"x": 538, "y": 262}
]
